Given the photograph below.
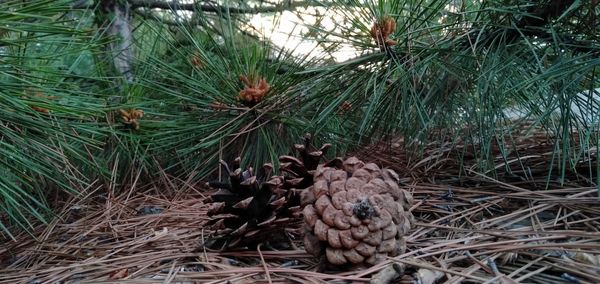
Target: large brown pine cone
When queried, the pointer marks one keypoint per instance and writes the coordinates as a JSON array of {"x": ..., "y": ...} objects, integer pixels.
[
  {"x": 250, "y": 209},
  {"x": 356, "y": 213}
]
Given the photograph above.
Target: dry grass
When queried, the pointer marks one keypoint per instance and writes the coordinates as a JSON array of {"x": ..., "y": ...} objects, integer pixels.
[{"x": 471, "y": 228}]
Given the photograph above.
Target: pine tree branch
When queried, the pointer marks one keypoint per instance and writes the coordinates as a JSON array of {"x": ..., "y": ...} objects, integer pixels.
[
  {"x": 157, "y": 4},
  {"x": 144, "y": 13},
  {"x": 535, "y": 25},
  {"x": 544, "y": 13}
]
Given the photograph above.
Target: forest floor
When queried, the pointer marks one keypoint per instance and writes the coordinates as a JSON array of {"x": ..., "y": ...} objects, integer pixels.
[{"x": 470, "y": 229}]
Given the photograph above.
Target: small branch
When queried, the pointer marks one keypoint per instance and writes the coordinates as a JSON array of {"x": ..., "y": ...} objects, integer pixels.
[
  {"x": 543, "y": 13},
  {"x": 157, "y": 4},
  {"x": 153, "y": 16}
]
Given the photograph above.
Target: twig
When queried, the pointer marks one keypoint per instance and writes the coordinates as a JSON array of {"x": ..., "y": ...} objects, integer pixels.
[
  {"x": 264, "y": 264},
  {"x": 157, "y": 4}
]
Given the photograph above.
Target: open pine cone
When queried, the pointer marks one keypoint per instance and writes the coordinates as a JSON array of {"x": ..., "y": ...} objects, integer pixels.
[
  {"x": 356, "y": 213},
  {"x": 250, "y": 209}
]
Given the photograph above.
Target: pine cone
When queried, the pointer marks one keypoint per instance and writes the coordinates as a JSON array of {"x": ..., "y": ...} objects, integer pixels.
[
  {"x": 254, "y": 90},
  {"x": 356, "y": 213},
  {"x": 382, "y": 29},
  {"x": 249, "y": 209}
]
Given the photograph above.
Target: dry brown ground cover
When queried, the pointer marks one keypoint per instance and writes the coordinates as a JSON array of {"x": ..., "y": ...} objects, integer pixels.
[{"x": 471, "y": 228}]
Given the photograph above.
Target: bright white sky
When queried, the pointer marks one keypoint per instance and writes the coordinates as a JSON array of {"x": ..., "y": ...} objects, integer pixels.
[{"x": 286, "y": 31}]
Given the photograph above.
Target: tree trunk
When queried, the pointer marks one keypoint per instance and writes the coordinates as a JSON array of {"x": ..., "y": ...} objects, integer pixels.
[{"x": 113, "y": 19}]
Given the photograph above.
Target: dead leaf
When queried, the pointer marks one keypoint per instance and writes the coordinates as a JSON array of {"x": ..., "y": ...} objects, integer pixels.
[
  {"x": 428, "y": 276},
  {"x": 507, "y": 280},
  {"x": 160, "y": 233},
  {"x": 587, "y": 258},
  {"x": 119, "y": 274},
  {"x": 389, "y": 273}
]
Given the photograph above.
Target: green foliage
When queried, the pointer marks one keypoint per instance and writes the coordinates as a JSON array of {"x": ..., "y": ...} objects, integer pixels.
[
  {"x": 446, "y": 72},
  {"x": 456, "y": 69},
  {"x": 47, "y": 115},
  {"x": 202, "y": 116}
]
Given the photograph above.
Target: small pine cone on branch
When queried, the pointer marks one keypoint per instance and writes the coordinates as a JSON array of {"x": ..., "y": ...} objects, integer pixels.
[{"x": 356, "y": 213}]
